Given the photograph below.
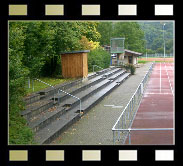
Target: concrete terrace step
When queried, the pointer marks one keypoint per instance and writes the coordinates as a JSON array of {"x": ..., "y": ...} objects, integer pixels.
[
  {"x": 42, "y": 94},
  {"x": 43, "y": 119},
  {"x": 66, "y": 86},
  {"x": 43, "y": 101},
  {"x": 49, "y": 91},
  {"x": 36, "y": 108},
  {"x": 74, "y": 90},
  {"x": 32, "y": 98},
  {"x": 40, "y": 121},
  {"x": 92, "y": 75},
  {"x": 105, "y": 70},
  {"x": 84, "y": 94},
  {"x": 54, "y": 129}
]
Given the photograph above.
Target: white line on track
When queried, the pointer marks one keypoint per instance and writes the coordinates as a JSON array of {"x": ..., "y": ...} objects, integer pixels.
[
  {"x": 160, "y": 77},
  {"x": 171, "y": 67},
  {"x": 158, "y": 93},
  {"x": 169, "y": 80}
]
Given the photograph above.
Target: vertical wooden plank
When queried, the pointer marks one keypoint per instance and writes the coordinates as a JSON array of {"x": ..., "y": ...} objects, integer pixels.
[{"x": 85, "y": 65}]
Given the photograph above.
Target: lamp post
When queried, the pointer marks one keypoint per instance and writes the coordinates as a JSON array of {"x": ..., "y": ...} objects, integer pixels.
[
  {"x": 164, "y": 38},
  {"x": 146, "y": 51}
]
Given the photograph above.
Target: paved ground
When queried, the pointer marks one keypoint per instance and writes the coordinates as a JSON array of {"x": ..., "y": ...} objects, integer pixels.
[
  {"x": 156, "y": 108},
  {"x": 95, "y": 128}
]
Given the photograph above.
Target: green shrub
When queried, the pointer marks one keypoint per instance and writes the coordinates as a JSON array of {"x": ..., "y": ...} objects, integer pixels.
[
  {"x": 131, "y": 68},
  {"x": 19, "y": 132},
  {"x": 98, "y": 57}
]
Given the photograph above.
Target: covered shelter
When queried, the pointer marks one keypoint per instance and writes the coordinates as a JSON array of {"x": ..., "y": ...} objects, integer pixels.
[
  {"x": 75, "y": 64},
  {"x": 130, "y": 57},
  {"x": 117, "y": 48}
]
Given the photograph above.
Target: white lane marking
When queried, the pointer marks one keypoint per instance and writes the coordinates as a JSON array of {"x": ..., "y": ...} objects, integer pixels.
[
  {"x": 169, "y": 81},
  {"x": 171, "y": 66},
  {"x": 160, "y": 77},
  {"x": 158, "y": 93},
  {"x": 108, "y": 105}
]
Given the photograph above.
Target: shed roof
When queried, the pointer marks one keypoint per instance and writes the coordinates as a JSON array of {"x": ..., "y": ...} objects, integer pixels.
[
  {"x": 133, "y": 52},
  {"x": 73, "y": 52}
]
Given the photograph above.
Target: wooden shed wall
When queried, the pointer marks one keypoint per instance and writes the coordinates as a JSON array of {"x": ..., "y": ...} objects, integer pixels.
[
  {"x": 85, "y": 64},
  {"x": 74, "y": 65}
]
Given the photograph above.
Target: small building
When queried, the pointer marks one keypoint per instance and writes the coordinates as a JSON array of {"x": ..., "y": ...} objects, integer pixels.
[
  {"x": 74, "y": 64},
  {"x": 120, "y": 55},
  {"x": 129, "y": 56}
]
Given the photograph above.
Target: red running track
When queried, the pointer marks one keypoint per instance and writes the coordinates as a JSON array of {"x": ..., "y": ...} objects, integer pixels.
[{"x": 156, "y": 109}]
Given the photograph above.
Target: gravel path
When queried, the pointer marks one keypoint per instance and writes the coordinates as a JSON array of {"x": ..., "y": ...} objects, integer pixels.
[{"x": 95, "y": 128}]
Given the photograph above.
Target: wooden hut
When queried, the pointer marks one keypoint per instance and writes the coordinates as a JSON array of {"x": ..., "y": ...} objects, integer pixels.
[{"x": 75, "y": 64}]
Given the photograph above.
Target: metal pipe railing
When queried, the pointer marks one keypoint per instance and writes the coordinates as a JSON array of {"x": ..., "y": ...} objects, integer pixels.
[
  {"x": 45, "y": 84},
  {"x": 60, "y": 91},
  {"x": 73, "y": 97},
  {"x": 141, "y": 129},
  {"x": 157, "y": 55},
  {"x": 126, "y": 117},
  {"x": 96, "y": 66}
]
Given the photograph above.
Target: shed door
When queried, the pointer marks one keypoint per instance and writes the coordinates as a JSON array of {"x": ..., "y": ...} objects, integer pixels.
[{"x": 130, "y": 58}]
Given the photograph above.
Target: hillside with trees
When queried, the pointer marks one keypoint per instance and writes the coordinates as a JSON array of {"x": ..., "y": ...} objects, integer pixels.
[
  {"x": 138, "y": 34},
  {"x": 154, "y": 36},
  {"x": 131, "y": 31}
]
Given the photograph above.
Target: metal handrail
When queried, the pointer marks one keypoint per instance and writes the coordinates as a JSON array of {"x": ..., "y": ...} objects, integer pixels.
[
  {"x": 157, "y": 55},
  {"x": 130, "y": 107},
  {"x": 97, "y": 66},
  {"x": 143, "y": 129},
  {"x": 73, "y": 97},
  {"x": 58, "y": 91},
  {"x": 45, "y": 84}
]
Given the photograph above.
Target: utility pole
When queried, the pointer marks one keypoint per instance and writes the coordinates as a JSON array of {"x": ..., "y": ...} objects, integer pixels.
[{"x": 146, "y": 51}]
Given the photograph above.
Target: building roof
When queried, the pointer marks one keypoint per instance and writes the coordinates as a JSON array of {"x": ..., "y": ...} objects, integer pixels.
[
  {"x": 133, "y": 52},
  {"x": 73, "y": 52}
]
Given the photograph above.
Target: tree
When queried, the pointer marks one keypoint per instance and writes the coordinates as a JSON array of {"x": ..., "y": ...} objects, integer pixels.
[
  {"x": 105, "y": 29},
  {"x": 154, "y": 35},
  {"x": 133, "y": 34},
  {"x": 19, "y": 133}
]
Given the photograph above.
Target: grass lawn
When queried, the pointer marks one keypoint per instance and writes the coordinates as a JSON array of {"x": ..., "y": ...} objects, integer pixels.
[
  {"x": 39, "y": 86},
  {"x": 142, "y": 61}
]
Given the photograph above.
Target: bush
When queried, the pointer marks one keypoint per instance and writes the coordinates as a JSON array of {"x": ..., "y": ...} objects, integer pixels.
[
  {"x": 19, "y": 132},
  {"x": 131, "y": 68},
  {"x": 98, "y": 57}
]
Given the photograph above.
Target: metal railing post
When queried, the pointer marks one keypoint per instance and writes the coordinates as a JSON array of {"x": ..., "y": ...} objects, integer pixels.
[
  {"x": 73, "y": 97},
  {"x": 129, "y": 137},
  {"x": 122, "y": 122},
  {"x": 96, "y": 66},
  {"x": 125, "y": 119},
  {"x": 131, "y": 106},
  {"x": 118, "y": 132},
  {"x": 114, "y": 141},
  {"x": 48, "y": 85}
]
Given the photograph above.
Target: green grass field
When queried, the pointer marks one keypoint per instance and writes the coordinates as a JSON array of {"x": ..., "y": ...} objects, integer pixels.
[{"x": 39, "y": 86}]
